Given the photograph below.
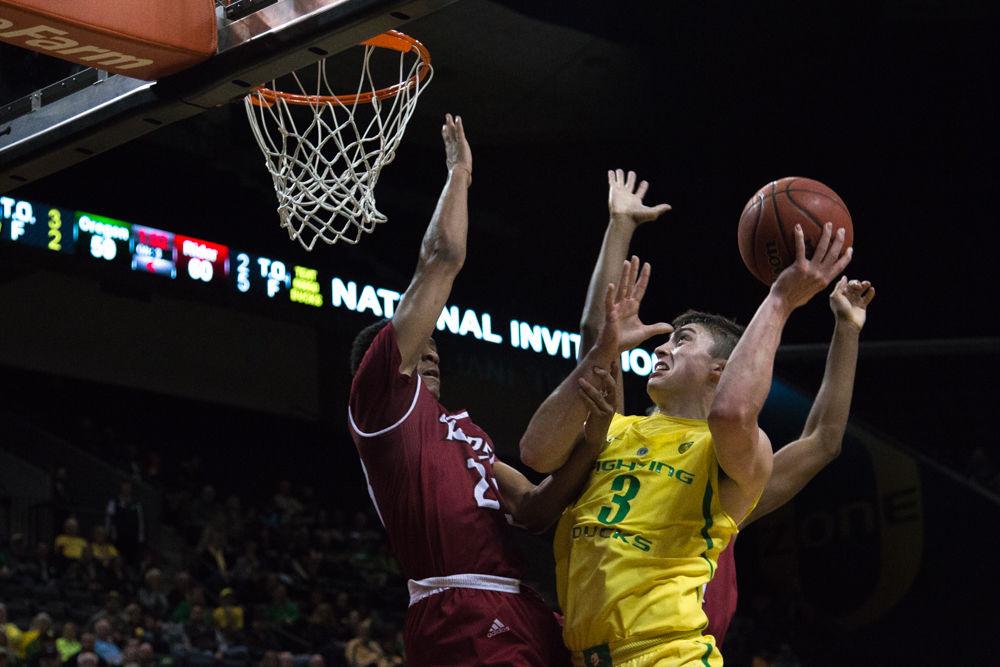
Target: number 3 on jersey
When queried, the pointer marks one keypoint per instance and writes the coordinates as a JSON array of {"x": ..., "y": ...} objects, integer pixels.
[
  {"x": 621, "y": 500},
  {"x": 482, "y": 486}
]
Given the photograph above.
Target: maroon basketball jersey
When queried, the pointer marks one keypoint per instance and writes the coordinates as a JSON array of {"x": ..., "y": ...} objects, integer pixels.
[
  {"x": 721, "y": 594},
  {"x": 429, "y": 472}
]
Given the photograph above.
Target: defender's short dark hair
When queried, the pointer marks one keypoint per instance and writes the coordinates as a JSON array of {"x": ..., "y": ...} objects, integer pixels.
[
  {"x": 363, "y": 341},
  {"x": 725, "y": 332}
]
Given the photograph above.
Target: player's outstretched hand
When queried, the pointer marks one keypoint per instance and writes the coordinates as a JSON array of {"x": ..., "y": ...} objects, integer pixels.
[
  {"x": 625, "y": 199},
  {"x": 804, "y": 278},
  {"x": 458, "y": 154},
  {"x": 849, "y": 301},
  {"x": 601, "y": 403},
  {"x": 622, "y": 327}
]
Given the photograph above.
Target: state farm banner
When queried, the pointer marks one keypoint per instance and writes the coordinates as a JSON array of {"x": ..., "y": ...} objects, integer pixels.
[{"x": 143, "y": 40}]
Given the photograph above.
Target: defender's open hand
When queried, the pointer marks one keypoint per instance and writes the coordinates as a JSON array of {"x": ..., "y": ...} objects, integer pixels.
[{"x": 625, "y": 199}]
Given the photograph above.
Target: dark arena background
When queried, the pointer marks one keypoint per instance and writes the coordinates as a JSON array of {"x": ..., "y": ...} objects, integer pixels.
[{"x": 219, "y": 390}]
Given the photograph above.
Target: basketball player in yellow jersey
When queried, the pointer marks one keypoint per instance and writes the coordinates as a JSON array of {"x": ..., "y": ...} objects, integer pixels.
[{"x": 668, "y": 491}]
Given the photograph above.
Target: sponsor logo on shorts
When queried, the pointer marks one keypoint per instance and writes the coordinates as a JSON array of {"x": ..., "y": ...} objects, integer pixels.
[
  {"x": 685, "y": 446},
  {"x": 497, "y": 628}
]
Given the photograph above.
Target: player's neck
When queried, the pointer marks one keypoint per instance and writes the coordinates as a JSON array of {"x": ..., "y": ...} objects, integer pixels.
[{"x": 685, "y": 406}]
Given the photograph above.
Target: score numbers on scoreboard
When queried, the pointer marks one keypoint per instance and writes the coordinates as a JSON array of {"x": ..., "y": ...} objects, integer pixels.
[{"x": 36, "y": 224}]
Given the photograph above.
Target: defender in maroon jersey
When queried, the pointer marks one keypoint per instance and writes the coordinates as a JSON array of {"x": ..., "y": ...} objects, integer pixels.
[{"x": 446, "y": 501}]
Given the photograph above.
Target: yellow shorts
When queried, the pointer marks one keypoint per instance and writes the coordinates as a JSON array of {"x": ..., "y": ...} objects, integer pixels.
[{"x": 695, "y": 651}]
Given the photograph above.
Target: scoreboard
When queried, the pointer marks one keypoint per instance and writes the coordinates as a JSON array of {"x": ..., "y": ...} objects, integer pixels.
[
  {"x": 157, "y": 251},
  {"x": 36, "y": 225},
  {"x": 215, "y": 266}
]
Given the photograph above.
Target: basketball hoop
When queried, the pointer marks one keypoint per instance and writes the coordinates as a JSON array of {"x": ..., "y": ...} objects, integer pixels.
[{"x": 325, "y": 165}]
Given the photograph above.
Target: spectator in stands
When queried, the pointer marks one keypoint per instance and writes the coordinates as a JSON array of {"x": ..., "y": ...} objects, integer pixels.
[
  {"x": 110, "y": 612},
  {"x": 147, "y": 656},
  {"x": 151, "y": 596},
  {"x": 195, "y": 597},
  {"x": 12, "y": 633},
  {"x": 286, "y": 659},
  {"x": 213, "y": 566},
  {"x": 104, "y": 551},
  {"x": 88, "y": 642},
  {"x": 33, "y": 638},
  {"x": 248, "y": 565},
  {"x": 69, "y": 545},
  {"x": 48, "y": 654},
  {"x": 200, "y": 634},
  {"x": 105, "y": 645},
  {"x": 67, "y": 644},
  {"x": 88, "y": 659},
  {"x": 181, "y": 589},
  {"x": 363, "y": 651},
  {"x": 126, "y": 524},
  {"x": 229, "y": 614},
  {"x": 85, "y": 573},
  {"x": 134, "y": 625},
  {"x": 283, "y": 611},
  {"x": 316, "y": 660},
  {"x": 36, "y": 570}
]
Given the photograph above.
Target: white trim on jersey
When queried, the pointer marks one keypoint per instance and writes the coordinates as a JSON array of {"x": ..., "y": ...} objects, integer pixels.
[
  {"x": 424, "y": 588},
  {"x": 350, "y": 417},
  {"x": 371, "y": 491}
]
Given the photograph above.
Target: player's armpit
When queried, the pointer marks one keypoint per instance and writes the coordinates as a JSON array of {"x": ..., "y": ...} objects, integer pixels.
[{"x": 747, "y": 467}]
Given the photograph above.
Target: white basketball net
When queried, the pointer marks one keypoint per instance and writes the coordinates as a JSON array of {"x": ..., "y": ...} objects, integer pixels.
[{"x": 325, "y": 163}]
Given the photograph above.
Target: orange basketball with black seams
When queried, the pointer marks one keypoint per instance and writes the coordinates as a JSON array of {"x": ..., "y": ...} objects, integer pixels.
[{"x": 767, "y": 225}]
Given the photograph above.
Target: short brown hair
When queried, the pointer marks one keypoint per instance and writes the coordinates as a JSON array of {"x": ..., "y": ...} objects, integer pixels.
[{"x": 724, "y": 331}]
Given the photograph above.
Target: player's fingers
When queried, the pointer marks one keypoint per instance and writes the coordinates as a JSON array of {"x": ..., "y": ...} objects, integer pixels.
[
  {"x": 800, "y": 244},
  {"x": 658, "y": 329},
  {"x": 611, "y": 177},
  {"x": 844, "y": 260},
  {"x": 836, "y": 247},
  {"x": 622, "y": 281},
  {"x": 643, "y": 282},
  {"x": 619, "y": 177},
  {"x": 633, "y": 275},
  {"x": 868, "y": 295},
  {"x": 609, "y": 297},
  {"x": 641, "y": 191},
  {"x": 597, "y": 398},
  {"x": 841, "y": 285},
  {"x": 660, "y": 209},
  {"x": 824, "y": 243},
  {"x": 630, "y": 181},
  {"x": 592, "y": 406}
]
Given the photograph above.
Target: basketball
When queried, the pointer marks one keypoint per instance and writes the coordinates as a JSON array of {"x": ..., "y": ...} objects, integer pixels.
[{"x": 767, "y": 225}]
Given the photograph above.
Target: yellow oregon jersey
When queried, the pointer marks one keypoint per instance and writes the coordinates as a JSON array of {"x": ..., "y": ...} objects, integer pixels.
[{"x": 634, "y": 553}]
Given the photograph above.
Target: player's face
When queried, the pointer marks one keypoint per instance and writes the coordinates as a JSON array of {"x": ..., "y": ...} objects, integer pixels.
[
  {"x": 683, "y": 363},
  {"x": 428, "y": 368}
]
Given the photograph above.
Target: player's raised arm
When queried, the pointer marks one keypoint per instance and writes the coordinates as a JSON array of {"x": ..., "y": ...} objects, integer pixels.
[
  {"x": 798, "y": 462},
  {"x": 556, "y": 425},
  {"x": 626, "y": 212},
  {"x": 536, "y": 507},
  {"x": 442, "y": 252},
  {"x": 743, "y": 450}
]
